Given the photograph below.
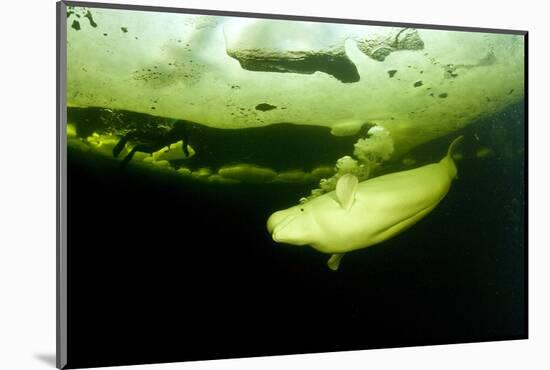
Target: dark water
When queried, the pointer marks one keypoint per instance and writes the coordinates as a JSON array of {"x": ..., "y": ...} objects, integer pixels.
[{"x": 166, "y": 269}]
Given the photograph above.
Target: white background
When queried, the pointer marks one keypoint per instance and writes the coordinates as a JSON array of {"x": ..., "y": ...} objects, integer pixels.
[{"x": 27, "y": 183}]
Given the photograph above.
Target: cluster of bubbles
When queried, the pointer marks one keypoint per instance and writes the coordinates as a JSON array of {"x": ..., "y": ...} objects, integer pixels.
[{"x": 369, "y": 153}]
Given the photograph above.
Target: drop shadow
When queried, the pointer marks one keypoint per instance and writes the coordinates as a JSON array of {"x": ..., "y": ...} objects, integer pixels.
[{"x": 47, "y": 358}]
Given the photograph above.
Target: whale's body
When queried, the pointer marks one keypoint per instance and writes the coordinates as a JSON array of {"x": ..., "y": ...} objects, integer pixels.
[{"x": 358, "y": 215}]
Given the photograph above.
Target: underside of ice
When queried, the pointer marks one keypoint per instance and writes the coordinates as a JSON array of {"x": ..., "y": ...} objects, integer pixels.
[{"x": 230, "y": 72}]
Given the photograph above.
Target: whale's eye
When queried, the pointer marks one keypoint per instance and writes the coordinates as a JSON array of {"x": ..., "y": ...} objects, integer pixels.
[{"x": 301, "y": 209}]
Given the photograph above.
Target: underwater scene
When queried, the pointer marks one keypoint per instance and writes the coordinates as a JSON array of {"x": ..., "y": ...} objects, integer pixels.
[{"x": 249, "y": 186}]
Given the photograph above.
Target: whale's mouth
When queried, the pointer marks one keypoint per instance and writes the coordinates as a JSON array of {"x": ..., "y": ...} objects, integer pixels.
[
  {"x": 276, "y": 219},
  {"x": 277, "y": 230}
]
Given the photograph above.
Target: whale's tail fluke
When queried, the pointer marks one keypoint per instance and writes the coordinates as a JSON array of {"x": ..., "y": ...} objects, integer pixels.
[
  {"x": 448, "y": 161},
  {"x": 453, "y": 144}
]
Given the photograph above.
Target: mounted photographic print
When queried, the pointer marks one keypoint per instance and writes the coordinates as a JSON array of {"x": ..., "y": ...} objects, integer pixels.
[{"x": 236, "y": 185}]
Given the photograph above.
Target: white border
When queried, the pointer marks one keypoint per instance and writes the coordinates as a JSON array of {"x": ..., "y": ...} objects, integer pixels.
[{"x": 27, "y": 186}]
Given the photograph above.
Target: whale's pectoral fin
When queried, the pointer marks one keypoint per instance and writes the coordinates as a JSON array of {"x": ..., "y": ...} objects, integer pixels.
[
  {"x": 346, "y": 187},
  {"x": 334, "y": 261}
]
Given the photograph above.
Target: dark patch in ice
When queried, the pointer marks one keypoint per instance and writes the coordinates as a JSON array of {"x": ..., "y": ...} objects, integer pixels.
[
  {"x": 418, "y": 83},
  {"x": 392, "y": 72},
  {"x": 336, "y": 64},
  {"x": 90, "y": 18},
  {"x": 124, "y": 29},
  {"x": 76, "y": 25},
  {"x": 265, "y": 107},
  {"x": 443, "y": 95}
]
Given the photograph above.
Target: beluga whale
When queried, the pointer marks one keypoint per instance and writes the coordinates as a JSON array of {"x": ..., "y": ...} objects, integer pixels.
[{"x": 357, "y": 214}]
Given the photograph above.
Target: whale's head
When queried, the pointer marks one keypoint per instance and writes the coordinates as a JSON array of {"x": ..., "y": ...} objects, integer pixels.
[
  {"x": 300, "y": 225},
  {"x": 295, "y": 225}
]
